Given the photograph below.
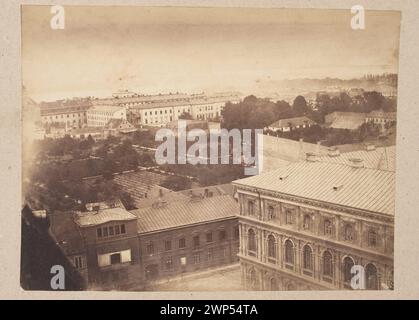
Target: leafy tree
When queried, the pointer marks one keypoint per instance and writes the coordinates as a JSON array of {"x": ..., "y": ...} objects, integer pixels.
[
  {"x": 186, "y": 116},
  {"x": 300, "y": 106}
]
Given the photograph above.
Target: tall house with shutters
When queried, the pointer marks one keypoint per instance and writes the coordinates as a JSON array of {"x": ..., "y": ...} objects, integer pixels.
[
  {"x": 303, "y": 226},
  {"x": 102, "y": 245}
]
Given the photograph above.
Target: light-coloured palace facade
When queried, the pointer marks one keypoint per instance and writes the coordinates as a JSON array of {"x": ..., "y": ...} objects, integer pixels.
[{"x": 303, "y": 227}]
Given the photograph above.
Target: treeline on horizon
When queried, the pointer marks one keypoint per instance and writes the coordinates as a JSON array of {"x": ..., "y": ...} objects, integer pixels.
[{"x": 257, "y": 113}]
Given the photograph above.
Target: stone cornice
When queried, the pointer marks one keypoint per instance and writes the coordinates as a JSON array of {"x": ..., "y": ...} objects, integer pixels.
[{"x": 319, "y": 204}]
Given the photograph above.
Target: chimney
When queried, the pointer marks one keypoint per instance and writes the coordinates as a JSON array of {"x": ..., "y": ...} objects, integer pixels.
[
  {"x": 333, "y": 152},
  {"x": 311, "y": 157},
  {"x": 356, "y": 162}
]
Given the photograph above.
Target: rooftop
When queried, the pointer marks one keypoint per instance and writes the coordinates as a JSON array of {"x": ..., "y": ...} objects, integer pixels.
[
  {"x": 298, "y": 121},
  {"x": 185, "y": 212},
  {"x": 93, "y": 218},
  {"x": 105, "y": 108},
  {"x": 66, "y": 233},
  {"x": 340, "y": 184},
  {"x": 345, "y": 120},
  {"x": 382, "y": 158},
  {"x": 382, "y": 114}
]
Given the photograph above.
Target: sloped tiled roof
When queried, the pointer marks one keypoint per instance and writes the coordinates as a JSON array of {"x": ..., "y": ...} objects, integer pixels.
[
  {"x": 140, "y": 183},
  {"x": 93, "y": 218},
  {"x": 350, "y": 123},
  {"x": 185, "y": 212},
  {"x": 360, "y": 188},
  {"x": 298, "y": 121}
]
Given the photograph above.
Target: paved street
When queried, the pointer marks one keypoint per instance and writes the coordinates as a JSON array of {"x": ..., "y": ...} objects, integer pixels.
[{"x": 225, "y": 279}]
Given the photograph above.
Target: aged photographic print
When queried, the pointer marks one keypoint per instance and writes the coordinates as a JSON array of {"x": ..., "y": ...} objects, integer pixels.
[{"x": 208, "y": 149}]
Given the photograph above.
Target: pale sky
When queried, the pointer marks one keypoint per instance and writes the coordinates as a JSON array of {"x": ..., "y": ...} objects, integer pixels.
[{"x": 151, "y": 50}]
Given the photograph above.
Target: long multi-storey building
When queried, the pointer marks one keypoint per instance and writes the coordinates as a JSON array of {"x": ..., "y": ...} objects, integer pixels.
[
  {"x": 144, "y": 110},
  {"x": 99, "y": 116},
  {"x": 304, "y": 225},
  {"x": 158, "y": 114},
  {"x": 71, "y": 113}
]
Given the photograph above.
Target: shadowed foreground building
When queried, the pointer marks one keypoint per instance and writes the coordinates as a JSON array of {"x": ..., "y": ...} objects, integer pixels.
[
  {"x": 114, "y": 249},
  {"x": 303, "y": 226}
]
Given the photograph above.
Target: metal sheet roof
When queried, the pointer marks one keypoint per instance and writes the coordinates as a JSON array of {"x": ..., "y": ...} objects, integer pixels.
[
  {"x": 186, "y": 212},
  {"x": 360, "y": 188},
  {"x": 93, "y": 218},
  {"x": 297, "y": 121},
  {"x": 383, "y": 158}
]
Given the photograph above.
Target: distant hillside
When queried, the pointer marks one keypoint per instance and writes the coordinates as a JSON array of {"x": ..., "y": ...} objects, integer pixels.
[{"x": 385, "y": 83}]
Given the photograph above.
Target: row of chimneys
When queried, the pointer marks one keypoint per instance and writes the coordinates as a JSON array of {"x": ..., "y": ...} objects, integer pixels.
[
  {"x": 353, "y": 162},
  {"x": 160, "y": 202}
]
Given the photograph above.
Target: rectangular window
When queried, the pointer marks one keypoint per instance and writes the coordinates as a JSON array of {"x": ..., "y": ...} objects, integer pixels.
[
  {"x": 183, "y": 261},
  {"x": 288, "y": 216},
  {"x": 251, "y": 208},
  {"x": 196, "y": 241},
  {"x": 169, "y": 263},
  {"x": 182, "y": 243},
  {"x": 224, "y": 252},
  {"x": 210, "y": 254},
  {"x": 150, "y": 248},
  {"x": 105, "y": 232},
  {"x": 99, "y": 232},
  {"x": 209, "y": 237},
  {"x": 168, "y": 245},
  {"x": 122, "y": 228},
  {"x": 197, "y": 258},
  {"x": 117, "y": 230},
  {"x": 78, "y": 262},
  {"x": 111, "y": 231},
  {"x": 222, "y": 235},
  {"x": 115, "y": 258}
]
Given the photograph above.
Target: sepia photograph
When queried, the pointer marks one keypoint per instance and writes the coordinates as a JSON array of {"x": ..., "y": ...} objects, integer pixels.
[{"x": 208, "y": 149}]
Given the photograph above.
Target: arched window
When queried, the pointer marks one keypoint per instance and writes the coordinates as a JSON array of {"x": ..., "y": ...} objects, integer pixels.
[
  {"x": 251, "y": 241},
  {"x": 308, "y": 258},
  {"x": 348, "y": 263},
  {"x": 271, "y": 213},
  {"x": 327, "y": 264},
  {"x": 307, "y": 222},
  {"x": 349, "y": 232},
  {"x": 289, "y": 252},
  {"x": 274, "y": 285},
  {"x": 251, "y": 208},
  {"x": 371, "y": 277},
  {"x": 271, "y": 247},
  {"x": 328, "y": 229},
  {"x": 372, "y": 238}
]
